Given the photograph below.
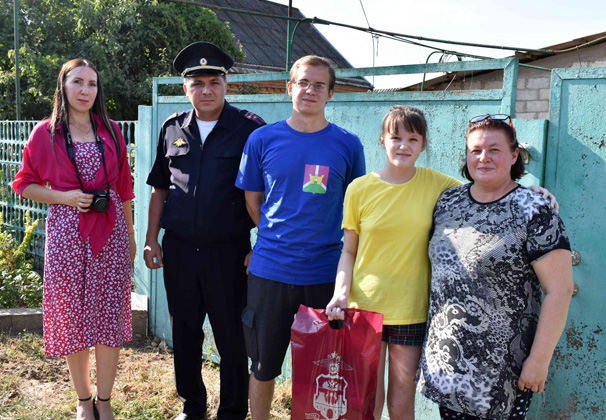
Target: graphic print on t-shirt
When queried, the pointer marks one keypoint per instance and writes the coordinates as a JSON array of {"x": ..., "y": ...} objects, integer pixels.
[{"x": 315, "y": 179}]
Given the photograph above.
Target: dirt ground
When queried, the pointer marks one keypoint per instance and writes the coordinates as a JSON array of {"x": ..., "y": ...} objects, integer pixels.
[{"x": 34, "y": 387}]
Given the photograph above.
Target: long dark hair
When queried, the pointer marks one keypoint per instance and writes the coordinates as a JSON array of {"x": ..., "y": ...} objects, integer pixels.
[{"x": 60, "y": 115}]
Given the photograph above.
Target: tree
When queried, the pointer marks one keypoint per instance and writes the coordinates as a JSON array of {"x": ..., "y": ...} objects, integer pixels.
[
  {"x": 7, "y": 72},
  {"x": 130, "y": 41}
]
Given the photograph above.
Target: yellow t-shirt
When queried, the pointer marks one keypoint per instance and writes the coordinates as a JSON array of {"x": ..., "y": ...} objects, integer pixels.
[{"x": 392, "y": 270}]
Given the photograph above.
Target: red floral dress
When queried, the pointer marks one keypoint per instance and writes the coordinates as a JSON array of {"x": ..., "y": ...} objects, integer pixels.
[{"x": 86, "y": 297}]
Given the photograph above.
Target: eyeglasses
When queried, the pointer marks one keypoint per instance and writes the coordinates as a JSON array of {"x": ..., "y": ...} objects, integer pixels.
[
  {"x": 496, "y": 117},
  {"x": 318, "y": 86}
]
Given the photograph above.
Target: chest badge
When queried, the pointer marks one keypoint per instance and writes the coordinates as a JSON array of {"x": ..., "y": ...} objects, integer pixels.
[
  {"x": 179, "y": 142},
  {"x": 315, "y": 179}
]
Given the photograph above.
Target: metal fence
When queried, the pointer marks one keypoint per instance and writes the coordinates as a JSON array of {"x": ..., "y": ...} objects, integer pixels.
[{"x": 13, "y": 136}]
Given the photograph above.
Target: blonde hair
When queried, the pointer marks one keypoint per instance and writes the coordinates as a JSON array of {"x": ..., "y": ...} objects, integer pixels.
[{"x": 315, "y": 61}]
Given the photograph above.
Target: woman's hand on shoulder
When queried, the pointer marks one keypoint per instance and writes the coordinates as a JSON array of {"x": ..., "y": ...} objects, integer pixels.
[
  {"x": 78, "y": 199},
  {"x": 334, "y": 309},
  {"x": 547, "y": 195},
  {"x": 534, "y": 375}
]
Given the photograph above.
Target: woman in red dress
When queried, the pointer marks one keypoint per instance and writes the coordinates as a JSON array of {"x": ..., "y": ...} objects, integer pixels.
[{"x": 81, "y": 155}]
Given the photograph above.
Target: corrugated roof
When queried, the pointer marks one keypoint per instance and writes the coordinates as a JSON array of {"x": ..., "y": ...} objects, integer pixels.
[
  {"x": 523, "y": 57},
  {"x": 263, "y": 39}
]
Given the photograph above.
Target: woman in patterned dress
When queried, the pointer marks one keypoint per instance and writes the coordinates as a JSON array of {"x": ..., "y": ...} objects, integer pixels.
[
  {"x": 89, "y": 248},
  {"x": 495, "y": 246}
]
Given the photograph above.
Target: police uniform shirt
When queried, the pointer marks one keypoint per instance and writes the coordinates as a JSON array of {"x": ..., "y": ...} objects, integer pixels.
[{"x": 203, "y": 205}]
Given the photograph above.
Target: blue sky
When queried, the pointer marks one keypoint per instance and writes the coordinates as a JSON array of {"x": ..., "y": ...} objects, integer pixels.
[{"x": 526, "y": 24}]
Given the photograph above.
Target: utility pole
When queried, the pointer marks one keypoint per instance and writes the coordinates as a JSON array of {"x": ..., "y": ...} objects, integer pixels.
[
  {"x": 288, "y": 36},
  {"x": 17, "y": 74}
]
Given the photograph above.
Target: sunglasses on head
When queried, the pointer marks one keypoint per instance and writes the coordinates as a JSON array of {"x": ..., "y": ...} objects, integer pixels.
[{"x": 496, "y": 117}]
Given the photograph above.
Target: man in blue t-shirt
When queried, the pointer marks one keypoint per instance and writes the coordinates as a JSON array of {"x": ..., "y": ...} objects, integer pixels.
[{"x": 294, "y": 173}]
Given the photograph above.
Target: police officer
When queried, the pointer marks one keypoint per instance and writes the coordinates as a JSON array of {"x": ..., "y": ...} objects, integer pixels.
[{"x": 206, "y": 243}]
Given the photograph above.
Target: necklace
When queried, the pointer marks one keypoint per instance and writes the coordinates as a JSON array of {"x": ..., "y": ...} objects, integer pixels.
[{"x": 82, "y": 131}]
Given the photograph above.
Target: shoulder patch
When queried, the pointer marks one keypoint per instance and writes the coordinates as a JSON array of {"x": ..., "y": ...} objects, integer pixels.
[{"x": 253, "y": 117}]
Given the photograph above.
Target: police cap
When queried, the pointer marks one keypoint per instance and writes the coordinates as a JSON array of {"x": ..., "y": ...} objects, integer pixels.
[{"x": 202, "y": 58}]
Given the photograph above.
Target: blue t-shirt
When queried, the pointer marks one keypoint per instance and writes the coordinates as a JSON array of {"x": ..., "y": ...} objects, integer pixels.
[{"x": 304, "y": 177}]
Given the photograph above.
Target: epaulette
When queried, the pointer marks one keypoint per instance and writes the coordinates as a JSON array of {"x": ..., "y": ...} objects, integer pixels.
[
  {"x": 175, "y": 115},
  {"x": 253, "y": 117}
]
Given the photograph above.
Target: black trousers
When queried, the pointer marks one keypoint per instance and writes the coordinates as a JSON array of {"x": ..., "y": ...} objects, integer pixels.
[{"x": 201, "y": 281}]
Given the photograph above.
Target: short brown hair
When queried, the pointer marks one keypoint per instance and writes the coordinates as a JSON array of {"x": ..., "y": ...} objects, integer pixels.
[
  {"x": 411, "y": 118},
  {"x": 315, "y": 61},
  {"x": 517, "y": 169}
]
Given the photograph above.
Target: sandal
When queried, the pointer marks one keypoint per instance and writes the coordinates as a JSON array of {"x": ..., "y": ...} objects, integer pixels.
[{"x": 97, "y": 398}]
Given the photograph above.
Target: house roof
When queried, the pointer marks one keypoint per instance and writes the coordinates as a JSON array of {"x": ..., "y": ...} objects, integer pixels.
[
  {"x": 562, "y": 48},
  {"x": 523, "y": 57},
  {"x": 263, "y": 39}
]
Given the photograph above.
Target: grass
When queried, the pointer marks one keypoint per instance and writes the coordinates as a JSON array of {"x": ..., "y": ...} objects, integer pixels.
[{"x": 36, "y": 387}]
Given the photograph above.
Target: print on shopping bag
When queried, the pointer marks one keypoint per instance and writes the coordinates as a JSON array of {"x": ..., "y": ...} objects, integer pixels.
[{"x": 330, "y": 398}]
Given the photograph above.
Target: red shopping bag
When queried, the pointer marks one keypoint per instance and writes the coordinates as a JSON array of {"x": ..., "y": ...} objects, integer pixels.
[{"x": 334, "y": 371}]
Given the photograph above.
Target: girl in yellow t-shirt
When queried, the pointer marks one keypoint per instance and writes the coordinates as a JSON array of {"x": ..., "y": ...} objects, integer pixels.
[{"x": 384, "y": 266}]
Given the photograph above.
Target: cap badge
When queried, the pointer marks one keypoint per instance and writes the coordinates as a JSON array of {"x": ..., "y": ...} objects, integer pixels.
[
  {"x": 203, "y": 61},
  {"x": 179, "y": 142}
]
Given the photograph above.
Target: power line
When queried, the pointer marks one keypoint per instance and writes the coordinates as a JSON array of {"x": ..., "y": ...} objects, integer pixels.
[
  {"x": 364, "y": 11},
  {"x": 372, "y": 39},
  {"x": 369, "y": 29}
]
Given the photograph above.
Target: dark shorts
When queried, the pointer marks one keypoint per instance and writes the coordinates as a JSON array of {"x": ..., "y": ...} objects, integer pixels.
[
  {"x": 268, "y": 317},
  {"x": 405, "y": 335},
  {"x": 519, "y": 411}
]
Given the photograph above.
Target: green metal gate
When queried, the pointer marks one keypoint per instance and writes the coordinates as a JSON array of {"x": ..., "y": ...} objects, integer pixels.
[{"x": 576, "y": 172}]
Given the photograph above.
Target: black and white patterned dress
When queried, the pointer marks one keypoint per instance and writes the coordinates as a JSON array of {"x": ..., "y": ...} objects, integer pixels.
[{"x": 485, "y": 297}]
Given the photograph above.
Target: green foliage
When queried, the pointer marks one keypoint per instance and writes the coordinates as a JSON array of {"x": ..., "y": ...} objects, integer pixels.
[
  {"x": 250, "y": 88},
  {"x": 130, "y": 41},
  {"x": 4, "y": 195},
  {"x": 20, "y": 285}
]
